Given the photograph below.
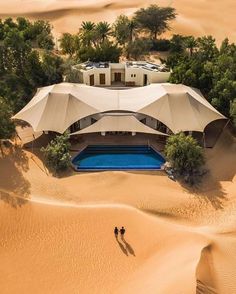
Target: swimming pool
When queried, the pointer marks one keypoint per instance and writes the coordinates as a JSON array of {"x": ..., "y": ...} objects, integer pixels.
[{"x": 117, "y": 157}]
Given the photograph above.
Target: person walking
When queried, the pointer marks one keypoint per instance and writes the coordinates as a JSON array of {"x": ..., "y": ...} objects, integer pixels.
[
  {"x": 116, "y": 232},
  {"x": 122, "y": 232}
]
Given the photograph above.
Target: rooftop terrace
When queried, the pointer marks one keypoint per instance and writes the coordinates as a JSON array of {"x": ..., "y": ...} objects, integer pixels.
[{"x": 129, "y": 64}]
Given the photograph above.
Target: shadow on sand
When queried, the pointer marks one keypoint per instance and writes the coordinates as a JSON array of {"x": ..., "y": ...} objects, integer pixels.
[
  {"x": 125, "y": 246},
  {"x": 209, "y": 191},
  {"x": 122, "y": 247},
  {"x": 128, "y": 247},
  {"x": 14, "y": 188}
]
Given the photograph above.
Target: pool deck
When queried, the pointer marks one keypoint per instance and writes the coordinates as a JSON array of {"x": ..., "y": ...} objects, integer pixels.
[{"x": 81, "y": 142}]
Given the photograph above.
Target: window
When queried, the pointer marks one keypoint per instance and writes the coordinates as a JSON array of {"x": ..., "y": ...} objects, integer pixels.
[
  {"x": 131, "y": 75},
  {"x": 135, "y": 76}
]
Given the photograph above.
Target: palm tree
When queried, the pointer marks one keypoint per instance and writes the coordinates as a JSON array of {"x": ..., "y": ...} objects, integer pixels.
[
  {"x": 190, "y": 44},
  {"x": 103, "y": 30},
  {"x": 87, "y": 26},
  {"x": 87, "y": 32},
  {"x": 132, "y": 28}
]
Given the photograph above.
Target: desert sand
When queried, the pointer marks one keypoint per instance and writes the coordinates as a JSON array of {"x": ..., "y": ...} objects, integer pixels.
[
  {"x": 56, "y": 234},
  {"x": 205, "y": 17}
]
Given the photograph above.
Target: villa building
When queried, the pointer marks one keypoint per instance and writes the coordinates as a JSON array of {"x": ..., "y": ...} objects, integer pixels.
[
  {"x": 132, "y": 73},
  {"x": 115, "y": 122}
]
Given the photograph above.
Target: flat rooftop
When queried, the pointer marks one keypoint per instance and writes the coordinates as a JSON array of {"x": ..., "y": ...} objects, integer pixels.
[
  {"x": 147, "y": 65},
  {"x": 129, "y": 64},
  {"x": 89, "y": 65}
]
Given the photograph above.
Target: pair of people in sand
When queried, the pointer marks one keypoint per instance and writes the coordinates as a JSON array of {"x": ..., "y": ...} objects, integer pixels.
[{"x": 122, "y": 232}]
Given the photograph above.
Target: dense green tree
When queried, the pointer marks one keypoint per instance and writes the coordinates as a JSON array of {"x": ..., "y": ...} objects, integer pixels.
[
  {"x": 45, "y": 41},
  {"x": 86, "y": 53},
  {"x": 69, "y": 44},
  {"x": 207, "y": 49},
  {"x": 177, "y": 44},
  {"x": 52, "y": 67},
  {"x": 22, "y": 70},
  {"x": 155, "y": 19},
  {"x": 34, "y": 72},
  {"x": 107, "y": 51},
  {"x": 2, "y": 32},
  {"x": 138, "y": 48},
  {"x": 184, "y": 155},
  {"x": 57, "y": 153},
  {"x": 71, "y": 73},
  {"x": 40, "y": 33},
  {"x": 160, "y": 45},
  {"x": 9, "y": 24},
  {"x": 211, "y": 70},
  {"x": 15, "y": 51},
  {"x": 124, "y": 29},
  {"x": 22, "y": 23},
  {"x": 7, "y": 127},
  {"x": 190, "y": 43}
]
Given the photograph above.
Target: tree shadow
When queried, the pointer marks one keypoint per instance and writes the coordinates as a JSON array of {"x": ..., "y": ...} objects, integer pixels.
[
  {"x": 36, "y": 152},
  {"x": 14, "y": 188},
  {"x": 12, "y": 200},
  {"x": 209, "y": 191},
  {"x": 20, "y": 159},
  {"x": 129, "y": 248},
  {"x": 122, "y": 247}
]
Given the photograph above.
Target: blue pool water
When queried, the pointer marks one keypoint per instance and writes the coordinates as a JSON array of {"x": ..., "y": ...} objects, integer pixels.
[{"x": 95, "y": 157}]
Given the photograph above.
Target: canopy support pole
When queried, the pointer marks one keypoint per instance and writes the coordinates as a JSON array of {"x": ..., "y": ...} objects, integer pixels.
[
  {"x": 32, "y": 145},
  {"x": 204, "y": 140},
  {"x": 228, "y": 121}
]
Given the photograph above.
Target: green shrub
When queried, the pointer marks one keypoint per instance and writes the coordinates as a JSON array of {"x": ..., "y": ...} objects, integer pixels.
[
  {"x": 233, "y": 112},
  {"x": 138, "y": 48},
  {"x": 160, "y": 45},
  {"x": 57, "y": 153},
  {"x": 185, "y": 155}
]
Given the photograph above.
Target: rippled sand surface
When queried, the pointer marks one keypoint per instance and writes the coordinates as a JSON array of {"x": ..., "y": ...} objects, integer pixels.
[{"x": 56, "y": 234}]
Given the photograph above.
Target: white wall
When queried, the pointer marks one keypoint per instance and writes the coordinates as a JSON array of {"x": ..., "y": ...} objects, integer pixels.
[
  {"x": 128, "y": 74},
  {"x": 96, "y": 72},
  {"x": 152, "y": 76},
  {"x": 137, "y": 79},
  {"x": 159, "y": 77}
]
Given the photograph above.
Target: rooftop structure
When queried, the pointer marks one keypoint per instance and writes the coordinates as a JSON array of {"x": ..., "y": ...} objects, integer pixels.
[{"x": 131, "y": 73}]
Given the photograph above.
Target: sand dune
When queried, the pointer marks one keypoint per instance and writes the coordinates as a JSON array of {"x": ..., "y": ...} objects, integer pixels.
[
  {"x": 52, "y": 249},
  {"x": 194, "y": 17},
  {"x": 57, "y": 237}
]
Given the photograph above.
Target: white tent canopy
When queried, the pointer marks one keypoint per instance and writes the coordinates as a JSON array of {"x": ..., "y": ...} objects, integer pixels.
[
  {"x": 118, "y": 123},
  {"x": 55, "y": 108},
  {"x": 180, "y": 108}
]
